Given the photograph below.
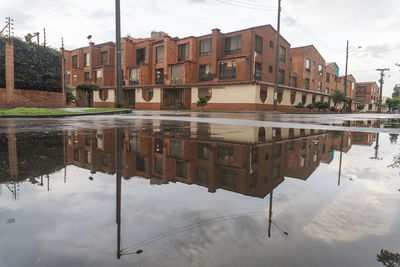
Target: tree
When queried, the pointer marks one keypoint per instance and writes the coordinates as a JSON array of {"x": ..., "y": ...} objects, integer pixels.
[
  {"x": 338, "y": 97},
  {"x": 88, "y": 88},
  {"x": 360, "y": 107},
  {"x": 69, "y": 96},
  {"x": 202, "y": 102},
  {"x": 388, "y": 259},
  {"x": 393, "y": 103},
  {"x": 396, "y": 91}
]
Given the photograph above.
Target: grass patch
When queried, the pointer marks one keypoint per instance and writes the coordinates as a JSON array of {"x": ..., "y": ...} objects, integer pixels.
[{"x": 47, "y": 111}]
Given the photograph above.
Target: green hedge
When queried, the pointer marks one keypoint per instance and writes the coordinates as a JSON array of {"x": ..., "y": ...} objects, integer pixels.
[
  {"x": 36, "y": 67},
  {"x": 2, "y": 62}
]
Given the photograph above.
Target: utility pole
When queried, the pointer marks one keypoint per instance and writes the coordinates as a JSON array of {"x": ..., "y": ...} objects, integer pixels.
[
  {"x": 118, "y": 73},
  {"x": 277, "y": 58},
  {"x": 345, "y": 76},
  {"x": 44, "y": 37},
  {"x": 381, "y": 87}
]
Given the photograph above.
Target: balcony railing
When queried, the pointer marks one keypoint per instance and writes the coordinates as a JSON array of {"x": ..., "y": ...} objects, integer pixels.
[{"x": 176, "y": 81}]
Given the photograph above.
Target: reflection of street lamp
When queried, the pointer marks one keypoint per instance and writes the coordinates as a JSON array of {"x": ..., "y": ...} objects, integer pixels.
[{"x": 345, "y": 75}]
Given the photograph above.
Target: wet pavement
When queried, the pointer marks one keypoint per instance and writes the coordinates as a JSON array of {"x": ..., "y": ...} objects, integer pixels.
[{"x": 200, "y": 189}]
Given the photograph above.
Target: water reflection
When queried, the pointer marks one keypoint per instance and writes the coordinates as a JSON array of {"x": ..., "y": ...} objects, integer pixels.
[{"x": 248, "y": 161}]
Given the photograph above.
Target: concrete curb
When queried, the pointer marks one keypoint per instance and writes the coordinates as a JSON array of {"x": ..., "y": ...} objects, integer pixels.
[{"x": 125, "y": 111}]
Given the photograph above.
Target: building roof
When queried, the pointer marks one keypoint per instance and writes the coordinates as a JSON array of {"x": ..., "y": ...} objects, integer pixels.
[{"x": 306, "y": 47}]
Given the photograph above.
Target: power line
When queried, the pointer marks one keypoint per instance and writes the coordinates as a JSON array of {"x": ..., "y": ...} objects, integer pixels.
[{"x": 244, "y": 5}]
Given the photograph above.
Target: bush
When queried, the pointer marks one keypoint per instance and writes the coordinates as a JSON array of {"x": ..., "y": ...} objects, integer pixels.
[
  {"x": 310, "y": 106},
  {"x": 202, "y": 102},
  {"x": 333, "y": 109},
  {"x": 2, "y": 62},
  {"x": 299, "y": 105},
  {"x": 360, "y": 107},
  {"x": 37, "y": 67}
]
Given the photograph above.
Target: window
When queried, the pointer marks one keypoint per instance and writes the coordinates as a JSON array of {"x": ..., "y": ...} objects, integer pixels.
[
  {"x": 271, "y": 44},
  {"x": 205, "y": 72},
  {"x": 86, "y": 60},
  {"x": 254, "y": 155},
  {"x": 320, "y": 70},
  {"x": 68, "y": 78},
  {"x": 75, "y": 61},
  {"x": 122, "y": 57},
  {"x": 147, "y": 94},
  {"x": 277, "y": 150},
  {"x": 233, "y": 45},
  {"x": 176, "y": 74},
  {"x": 276, "y": 172},
  {"x": 181, "y": 169},
  {"x": 293, "y": 81},
  {"x": 307, "y": 84},
  {"x": 159, "y": 144},
  {"x": 202, "y": 175},
  {"x": 76, "y": 155},
  {"x": 134, "y": 76},
  {"x": 105, "y": 160},
  {"x": 203, "y": 151},
  {"x": 98, "y": 76},
  {"x": 263, "y": 94},
  {"x": 204, "y": 93},
  {"x": 259, "y": 44},
  {"x": 140, "y": 56},
  {"x": 140, "y": 163},
  {"x": 225, "y": 155},
  {"x": 205, "y": 47},
  {"x": 158, "y": 166},
  {"x": 257, "y": 71},
  {"x": 133, "y": 142},
  {"x": 302, "y": 161},
  {"x": 320, "y": 86},
  {"x": 183, "y": 52},
  {"x": 227, "y": 70},
  {"x": 176, "y": 148},
  {"x": 328, "y": 77},
  {"x": 159, "y": 54},
  {"x": 87, "y": 78},
  {"x": 88, "y": 156},
  {"x": 326, "y": 90},
  {"x": 362, "y": 89},
  {"x": 253, "y": 180},
  {"x": 315, "y": 157},
  {"x": 281, "y": 76},
  {"x": 270, "y": 69},
  {"x": 104, "y": 57},
  {"x": 290, "y": 145},
  {"x": 360, "y": 98},
  {"x": 229, "y": 178},
  {"x": 282, "y": 54},
  {"x": 160, "y": 76},
  {"x": 308, "y": 65}
]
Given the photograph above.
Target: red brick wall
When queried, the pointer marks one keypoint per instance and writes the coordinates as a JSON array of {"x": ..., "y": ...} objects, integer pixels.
[{"x": 11, "y": 97}]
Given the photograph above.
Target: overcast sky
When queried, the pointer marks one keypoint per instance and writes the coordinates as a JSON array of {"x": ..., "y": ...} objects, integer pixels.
[{"x": 374, "y": 25}]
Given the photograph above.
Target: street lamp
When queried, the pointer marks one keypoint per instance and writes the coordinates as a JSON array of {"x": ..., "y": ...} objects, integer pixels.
[{"x": 345, "y": 75}]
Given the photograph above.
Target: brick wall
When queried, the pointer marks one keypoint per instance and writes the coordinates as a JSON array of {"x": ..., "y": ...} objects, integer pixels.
[{"x": 11, "y": 97}]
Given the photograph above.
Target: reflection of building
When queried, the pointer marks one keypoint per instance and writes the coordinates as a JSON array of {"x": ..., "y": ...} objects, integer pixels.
[
  {"x": 247, "y": 160},
  {"x": 94, "y": 151},
  {"x": 366, "y": 139}
]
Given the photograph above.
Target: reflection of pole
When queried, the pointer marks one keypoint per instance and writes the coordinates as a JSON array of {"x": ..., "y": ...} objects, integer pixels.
[
  {"x": 340, "y": 161},
  {"x": 270, "y": 214},
  {"x": 377, "y": 146},
  {"x": 120, "y": 140},
  {"x": 48, "y": 182}
]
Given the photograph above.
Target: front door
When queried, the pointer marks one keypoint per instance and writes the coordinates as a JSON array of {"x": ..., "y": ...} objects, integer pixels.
[
  {"x": 129, "y": 99},
  {"x": 172, "y": 98}
]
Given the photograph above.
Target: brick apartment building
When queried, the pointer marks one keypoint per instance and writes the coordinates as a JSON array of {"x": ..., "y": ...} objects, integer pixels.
[
  {"x": 309, "y": 67},
  {"x": 233, "y": 71},
  {"x": 368, "y": 94}
]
